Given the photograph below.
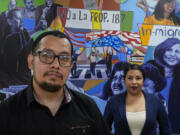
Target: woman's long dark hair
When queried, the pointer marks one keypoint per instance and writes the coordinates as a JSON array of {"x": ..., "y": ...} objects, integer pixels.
[
  {"x": 153, "y": 73},
  {"x": 159, "y": 12},
  {"x": 161, "y": 49}
]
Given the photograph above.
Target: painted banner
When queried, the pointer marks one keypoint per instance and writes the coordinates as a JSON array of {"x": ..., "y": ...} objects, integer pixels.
[
  {"x": 152, "y": 35},
  {"x": 96, "y": 19}
]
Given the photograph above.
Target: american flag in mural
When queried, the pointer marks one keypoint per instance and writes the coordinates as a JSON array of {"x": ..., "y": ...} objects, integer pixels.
[
  {"x": 130, "y": 39},
  {"x": 133, "y": 39},
  {"x": 78, "y": 39}
]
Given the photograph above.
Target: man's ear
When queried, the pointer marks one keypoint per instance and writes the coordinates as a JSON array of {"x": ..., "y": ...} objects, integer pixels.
[{"x": 30, "y": 60}]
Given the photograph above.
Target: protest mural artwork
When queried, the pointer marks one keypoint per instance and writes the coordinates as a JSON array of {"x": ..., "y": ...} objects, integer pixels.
[{"x": 106, "y": 36}]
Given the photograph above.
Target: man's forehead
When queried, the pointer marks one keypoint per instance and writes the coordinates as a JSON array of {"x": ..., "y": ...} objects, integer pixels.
[
  {"x": 49, "y": 42},
  {"x": 54, "y": 39}
]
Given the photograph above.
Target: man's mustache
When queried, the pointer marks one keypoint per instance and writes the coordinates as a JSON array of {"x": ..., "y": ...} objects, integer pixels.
[{"x": 54, "y": 72}]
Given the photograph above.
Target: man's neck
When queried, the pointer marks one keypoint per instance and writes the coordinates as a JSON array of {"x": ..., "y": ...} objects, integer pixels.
[{"x": 52, "y": 100}]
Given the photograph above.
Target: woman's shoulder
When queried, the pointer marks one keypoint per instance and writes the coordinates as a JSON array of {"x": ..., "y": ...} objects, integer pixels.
[
  {"x": 152, "y": 98},
  {"x": 118, "y": 98}
]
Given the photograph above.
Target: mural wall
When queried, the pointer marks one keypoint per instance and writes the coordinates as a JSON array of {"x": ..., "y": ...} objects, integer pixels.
[{"x": 107, "y": 36}]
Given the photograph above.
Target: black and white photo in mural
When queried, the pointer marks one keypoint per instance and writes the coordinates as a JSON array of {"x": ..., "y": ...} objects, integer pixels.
[{"x": 167, "y": 55}]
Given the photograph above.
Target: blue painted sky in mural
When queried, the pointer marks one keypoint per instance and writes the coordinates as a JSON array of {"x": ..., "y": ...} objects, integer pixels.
[{"x": 139, "y": 14}]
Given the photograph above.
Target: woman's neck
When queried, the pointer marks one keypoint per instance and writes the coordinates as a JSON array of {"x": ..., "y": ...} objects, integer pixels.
[
  {"x": 166, "y": 15},
  {"x": 134, "y": 97},
  {"x": 168, "y": 71},
  {"x": 135, "y": 103}
]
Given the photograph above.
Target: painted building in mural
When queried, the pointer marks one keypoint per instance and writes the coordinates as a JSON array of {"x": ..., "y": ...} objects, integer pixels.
[{"x": 105, "y": 35}]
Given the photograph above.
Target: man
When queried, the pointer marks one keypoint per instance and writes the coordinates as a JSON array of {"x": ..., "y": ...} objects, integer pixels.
[
  {"x": 5, "y": 28},
  {"x": 115, "y": 83},
  {"x": 74, "y": 68},
  {"x": 48, "y": 106},
  {"x": 41, "y": 12},
  {"x": 15, "y": 21},
  {"x": 45, "y": 14},
  {"x": 109, "y": 55},
  {"x": 29, "y": 10},
  {"x": 92, "y": 60},
  {"x": 14, "y": 44}
]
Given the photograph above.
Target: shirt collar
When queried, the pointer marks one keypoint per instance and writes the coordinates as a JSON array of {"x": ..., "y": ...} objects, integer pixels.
[
  {"x": 67, "y": 95},
  {"x": 30, "y": 95}
]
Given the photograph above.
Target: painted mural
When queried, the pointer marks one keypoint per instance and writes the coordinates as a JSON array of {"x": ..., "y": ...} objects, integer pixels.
[{"x": 107, "y": 36}]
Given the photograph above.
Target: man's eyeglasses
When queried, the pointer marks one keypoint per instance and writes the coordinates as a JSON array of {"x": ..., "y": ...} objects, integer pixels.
[{"x": 48, "y": 57}]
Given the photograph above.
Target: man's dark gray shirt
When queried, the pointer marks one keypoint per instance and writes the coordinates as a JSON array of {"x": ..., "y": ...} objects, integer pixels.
[{"x": 21, "y": 114}]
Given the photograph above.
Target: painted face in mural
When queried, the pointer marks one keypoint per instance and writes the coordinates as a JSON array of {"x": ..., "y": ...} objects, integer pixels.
[
  {"x": 169, "y": 7},
  {"x": 49, "y": 2},
  {"x": 12, "y": 4},
  {"x": 149, "y": 85},
  {"x": 117, "y": 84},
  {"x": 29, "y": 4},
  {"x": 16, "y": 22},
  {"x": 172, "y": 55}
]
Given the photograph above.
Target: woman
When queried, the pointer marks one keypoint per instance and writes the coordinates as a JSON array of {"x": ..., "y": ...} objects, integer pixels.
[
  {"x": 136, "y": 112},
  {"x": 167, "y": 55},
  {"x": 164, "y": 14}
]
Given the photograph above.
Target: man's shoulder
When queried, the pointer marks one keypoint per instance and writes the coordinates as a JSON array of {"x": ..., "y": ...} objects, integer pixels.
[
  {"x": 40, "y": 7},
  {"x": 81, "y": 98},
  {"x": 80, "y": 95},
  {"x": 14, "y": 100},
  {"x": 86, "y": 104}
]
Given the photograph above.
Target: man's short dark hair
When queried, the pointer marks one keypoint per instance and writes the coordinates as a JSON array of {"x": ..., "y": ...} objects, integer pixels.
[{"x": 46, "y": 33}]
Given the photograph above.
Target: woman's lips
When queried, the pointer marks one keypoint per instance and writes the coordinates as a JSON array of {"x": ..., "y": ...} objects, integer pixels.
[{"x": 134, "y": 87}]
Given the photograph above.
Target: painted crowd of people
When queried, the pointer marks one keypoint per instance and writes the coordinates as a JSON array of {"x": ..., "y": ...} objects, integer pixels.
[{"x": 15, "y": 37}]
